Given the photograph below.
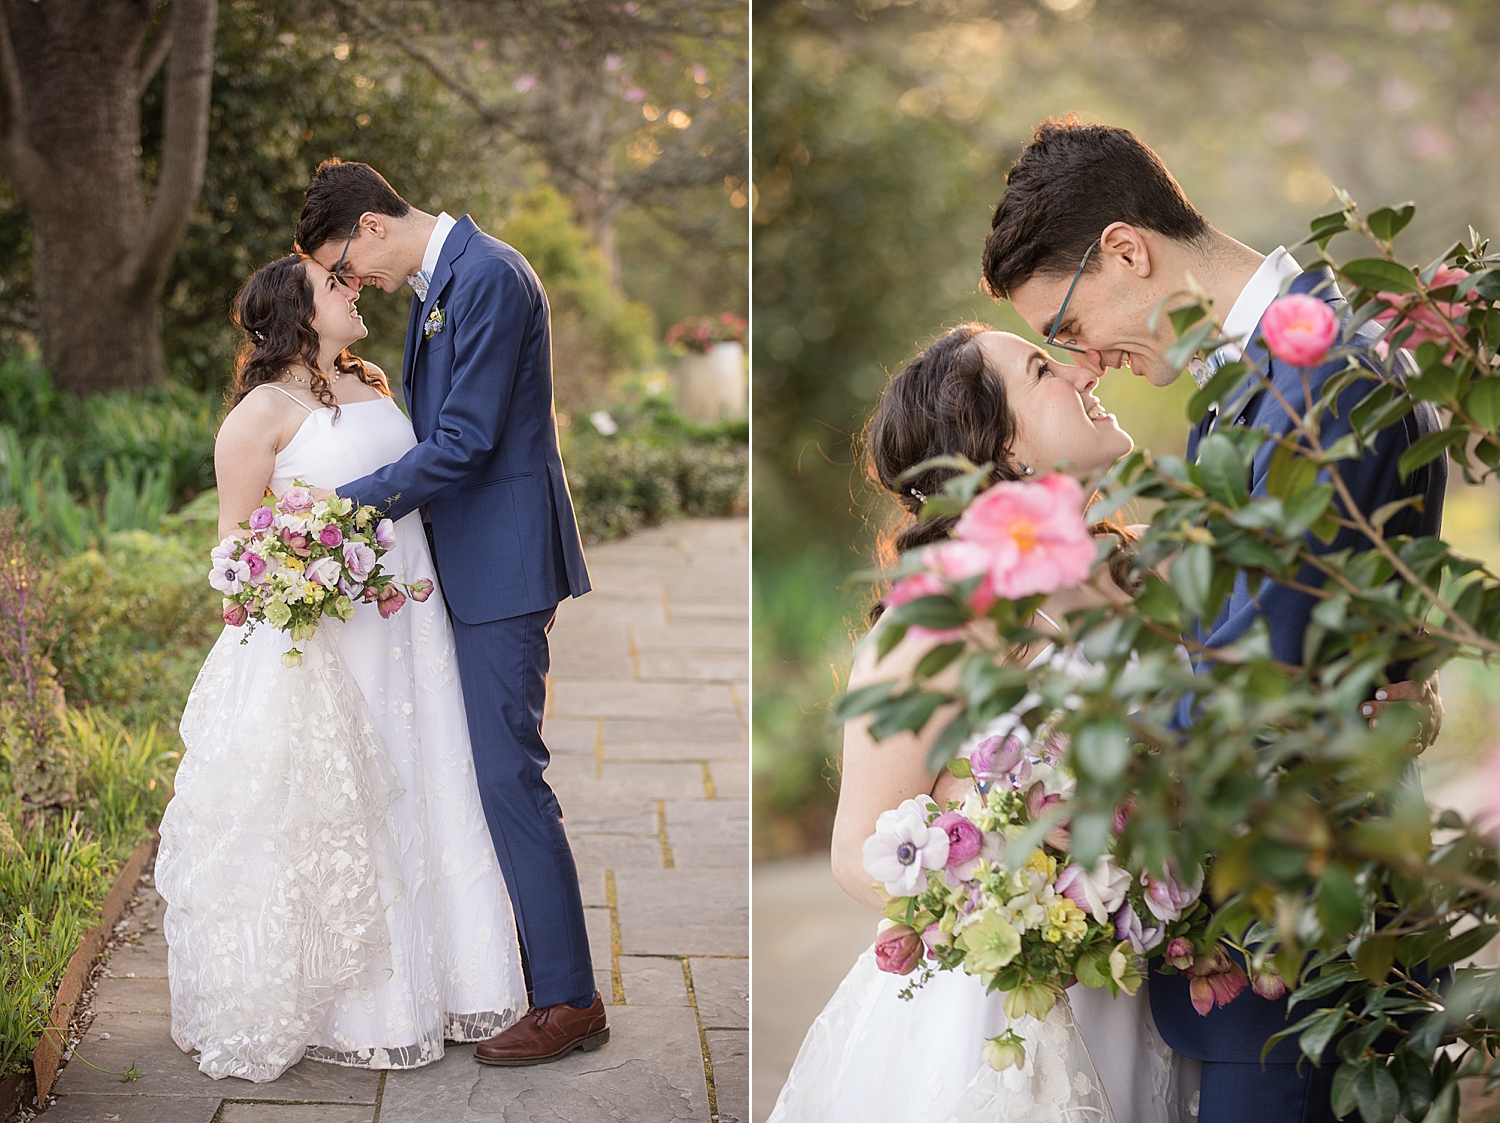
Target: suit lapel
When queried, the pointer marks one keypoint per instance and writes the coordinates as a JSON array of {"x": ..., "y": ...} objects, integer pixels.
[{"x": 409, "y": 355}]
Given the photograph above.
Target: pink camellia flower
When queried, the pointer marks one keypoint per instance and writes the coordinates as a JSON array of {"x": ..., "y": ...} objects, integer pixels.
[
  {"x": 390, "y": 602},
  {"x": 1299, "y": 329},
  {"x": 965, "y": 840},
  {"x": 1098, "y": 891},
  {"x": 933, "y": 938},
  {"x": 1180, "y": 953},
  {"x": 1035, "y": 535},
  {"x": 331, "y": 535},
  {"x": 898, "y": 950},
  {"x": 914, "y": 587},
  {"x": 261, "y": 517},
  {"x": 1169, "y": 897},
  {"x": 256, "y": 563},
  {"x": 1425, "y": 323},
  {"x": 326, "y": 572},
  {"x": 359, "y": 559},
  {"x": 235, "y": 614},
  {"x": 296, "y": 500},
  {"x": 1128, "y": 927},
  {"x": 956, "y": 561},
  {"x": 421, "y": 590},
  {"x": 1268, "y": 984},
  {"x": 385, "y": 534},
  {"x": 1217, "y": 980}
]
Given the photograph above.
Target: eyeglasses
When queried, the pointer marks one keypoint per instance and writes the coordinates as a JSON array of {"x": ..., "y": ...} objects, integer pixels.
[
  {"x": 338, "y": 266},
  {"x": 1057, "y": 321}
]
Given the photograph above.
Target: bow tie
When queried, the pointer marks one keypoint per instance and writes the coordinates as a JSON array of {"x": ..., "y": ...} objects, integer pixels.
[
  {"x": 1204, "y": 369},
  {"x": 419, "y": 282}
]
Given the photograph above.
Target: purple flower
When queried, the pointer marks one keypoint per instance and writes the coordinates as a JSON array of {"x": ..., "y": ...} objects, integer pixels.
[
  {"x": 326, "y": 572},
  {"x": 261, "y": 518},
  {"x": 421, "y": 590},
  {"x": 331, "y": 535},
  {"x": 256, "y": 563},
  {"x": 235, "y": 613},
  {"x": 965, "y": 840},
  {"x": 993, "y": 757},
  {"x": 359, "y": 559},
  {"x": 1169, "y": 897},
  {"x": 1268, "y": 984},
  {"x": 296, "y": 500},
  {"x": 351, "y": 588},
  {"x": 1180, "y": 953},
  {"x": 1128, "y": 927},
  {"x": 385, "y": 534},
  {"x": 390, "y": 601}
]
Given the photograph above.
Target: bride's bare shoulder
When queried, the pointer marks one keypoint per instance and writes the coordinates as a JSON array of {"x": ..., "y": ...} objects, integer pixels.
[{"x": 262, "y": 415}]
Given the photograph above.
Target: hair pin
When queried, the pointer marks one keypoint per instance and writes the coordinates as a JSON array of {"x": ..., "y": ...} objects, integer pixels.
[{"x": 918, "y": 496}]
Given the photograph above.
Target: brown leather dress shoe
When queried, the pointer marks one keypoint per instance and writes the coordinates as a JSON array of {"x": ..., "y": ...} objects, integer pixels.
[{"x": 546, "y": 1034}]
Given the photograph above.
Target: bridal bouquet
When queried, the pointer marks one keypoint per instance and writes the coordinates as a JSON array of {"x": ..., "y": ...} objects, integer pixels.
[{"x": 302, "y": 559}]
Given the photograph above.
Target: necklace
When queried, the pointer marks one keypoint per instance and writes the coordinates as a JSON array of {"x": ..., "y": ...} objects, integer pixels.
[{"x": 299, "y": 378}]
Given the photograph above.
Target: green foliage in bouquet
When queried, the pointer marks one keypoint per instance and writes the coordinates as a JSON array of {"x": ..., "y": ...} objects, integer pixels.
[{"x": 1326, "y": 866}]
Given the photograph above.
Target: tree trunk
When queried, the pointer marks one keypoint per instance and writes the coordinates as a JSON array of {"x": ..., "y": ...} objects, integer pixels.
[{"x": 71, "y": 77}]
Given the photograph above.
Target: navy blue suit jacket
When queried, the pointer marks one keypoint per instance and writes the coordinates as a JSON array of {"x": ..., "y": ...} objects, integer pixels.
[
  {"x": 487, "y": 465},
  {"x": 1238, "y": 1031}
]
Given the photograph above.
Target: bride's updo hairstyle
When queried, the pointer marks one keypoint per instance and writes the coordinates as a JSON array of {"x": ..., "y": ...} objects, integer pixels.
[
  {"x": 275, "y": 310},
  {"x": 948, "y": 401}
]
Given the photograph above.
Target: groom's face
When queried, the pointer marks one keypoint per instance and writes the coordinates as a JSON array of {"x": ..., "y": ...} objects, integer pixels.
[
  {"x": 1106, "y": 321},
  {"x": 367, "y": 258}
]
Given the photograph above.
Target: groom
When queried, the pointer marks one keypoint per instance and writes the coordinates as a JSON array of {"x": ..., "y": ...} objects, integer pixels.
[
  {"x": 488, "y": 479},
  {"x": 1091, "y": 234}
]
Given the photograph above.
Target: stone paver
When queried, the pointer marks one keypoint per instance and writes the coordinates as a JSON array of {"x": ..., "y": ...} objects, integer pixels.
[{"x": 646, "y": 717}]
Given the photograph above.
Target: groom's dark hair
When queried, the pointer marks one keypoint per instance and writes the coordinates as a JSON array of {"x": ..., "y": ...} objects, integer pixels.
[
  {"x": 1069, "y": 183},
  {"x": 341, "y": 191}
]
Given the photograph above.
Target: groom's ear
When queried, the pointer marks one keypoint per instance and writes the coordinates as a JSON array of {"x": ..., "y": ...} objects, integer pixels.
[{"x": 1126, "y": 248}]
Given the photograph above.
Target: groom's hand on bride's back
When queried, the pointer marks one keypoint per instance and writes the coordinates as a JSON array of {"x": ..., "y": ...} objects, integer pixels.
[{"x": 1423, "y": 695}]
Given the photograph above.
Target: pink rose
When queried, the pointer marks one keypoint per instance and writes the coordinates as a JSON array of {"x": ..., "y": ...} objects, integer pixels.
[
  {"x": 261, "y": 517},
  {"x": 390, "y": 601},
  {"x": 898, "y": 950},
  {"x": 256, "y": 563},
  {"x": 1180, "y": 953},
  {"x": 295, "y": 500},
  {"x": 1299, "y": 329},
  {"x": 1034, "y": 533},
  {"x": 385, "y": 534},
  {"x": 421, "y": 590},
  {"x": 995, "y": 757},
  {"x": 1217, "y": 980},
  {"x": 1427, "y": 325},
  {"x": 965, "y": 840},
  {"x": 235, "y": 614},
  {"x": 330, "y": 536}
]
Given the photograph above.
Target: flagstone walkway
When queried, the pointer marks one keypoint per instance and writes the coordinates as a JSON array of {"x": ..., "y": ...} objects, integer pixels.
[{"x": 647, "y": 711}]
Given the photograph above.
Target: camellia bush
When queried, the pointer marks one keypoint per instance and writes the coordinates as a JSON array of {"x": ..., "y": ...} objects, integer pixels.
[{"x": 1324, "y": 865}]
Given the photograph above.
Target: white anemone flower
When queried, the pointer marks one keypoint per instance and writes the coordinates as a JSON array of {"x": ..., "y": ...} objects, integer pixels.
[
  {"x": 229, "y": 576},
  {"x": 903, "y": 847}
]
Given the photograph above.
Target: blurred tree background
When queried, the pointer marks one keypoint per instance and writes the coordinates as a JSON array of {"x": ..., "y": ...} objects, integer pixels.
[{"x": 882, "y": 132}]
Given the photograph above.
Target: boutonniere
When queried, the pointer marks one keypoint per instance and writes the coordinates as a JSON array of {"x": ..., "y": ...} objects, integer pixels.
[{"x": 437, "y": 319}]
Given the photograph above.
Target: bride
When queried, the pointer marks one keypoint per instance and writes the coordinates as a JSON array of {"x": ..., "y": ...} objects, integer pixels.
[
  {"x": 873, "y": 1056},
  {"x": 332, "y": 890}
]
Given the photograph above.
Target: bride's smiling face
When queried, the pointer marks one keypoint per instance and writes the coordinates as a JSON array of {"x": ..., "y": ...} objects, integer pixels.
[
  {"x": 1059, "y": 422},
  {"x": 336, "y": 318}
]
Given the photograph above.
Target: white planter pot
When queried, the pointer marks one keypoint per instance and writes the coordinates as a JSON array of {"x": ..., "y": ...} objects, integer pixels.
[{"x": 711, "y": 387}]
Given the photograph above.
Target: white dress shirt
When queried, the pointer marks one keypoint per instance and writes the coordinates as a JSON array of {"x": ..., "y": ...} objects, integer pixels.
[
  {"x": 435, "y": 241},
  {"x": 1257, "y": 295}
]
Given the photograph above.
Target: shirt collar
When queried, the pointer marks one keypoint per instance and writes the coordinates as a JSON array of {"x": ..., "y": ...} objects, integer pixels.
[
  {"x": 439, "y": 235},
  {"x": 1262, "y": 288}
]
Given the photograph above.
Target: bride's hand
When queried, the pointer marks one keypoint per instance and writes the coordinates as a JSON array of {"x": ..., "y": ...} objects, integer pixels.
[
  {"x": 321, "y": 493},
  {"x": 948, "y": 788},
  {"x": 1423, "y": 696}
]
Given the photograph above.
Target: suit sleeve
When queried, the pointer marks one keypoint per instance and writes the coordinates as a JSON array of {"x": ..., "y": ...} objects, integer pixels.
[
  {"x": 1372, "y": 480},
  {"x": 489, "y": 316}
]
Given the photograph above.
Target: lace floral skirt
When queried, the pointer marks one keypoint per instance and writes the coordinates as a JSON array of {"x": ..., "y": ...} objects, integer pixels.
[
  {"x": 332, "y": 889},
  {"x": 873, "y": 1057}
]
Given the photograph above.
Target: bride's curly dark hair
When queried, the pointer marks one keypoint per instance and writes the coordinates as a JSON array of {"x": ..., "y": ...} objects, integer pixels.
[
  {"x": 275, "y": 310},
  {"x": 947, "y": 401}
]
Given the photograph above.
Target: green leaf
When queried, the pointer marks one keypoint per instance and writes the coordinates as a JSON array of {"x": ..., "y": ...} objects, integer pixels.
[
  {"x": 1290, "y": 473},
  {"x": 1324, "y": 227},
  {"x": 1192, "y": 577},
  {"x": 938, "y": 658},
  {"x": 936, "y": 612},
  {"x": 1342, "y": 1100},
  {"x": 1340, "y": 905},
  {"x": 1223, "y": 471},
  {"x": 1375, "y": 956},
  {"x": 1387, "y": 222},
  {"x": 1324, "y": 984},
  {"x": 1461, "y": 946},
  {"x": 889, "y": 635},
  {"x": 1384, "y": 512},
  {"x": 1216, "y": 389},
  {"x": 862, "y": 701},
  {"x": 1430, "y": 448},
  {"x": 1157, "y": 601},
  {"x": 1325, "y": 1023},
  {"x": 1379, "y": 275},
  {"x": 949, "y": 740},
  {"x": 1483, "y": 403},
  {"x": 1427, "y": 1034},
  {"x": 905, "y": 714},
  {"x": 1101, "y": 750},
  {"x": 960, "y": 767},
  {"x": 1306, "y": 508},
  {"x": 1090, "y": 973},
  {"x": 1376, "y": 1093},
  {"x": 1414, "y": 1078}
]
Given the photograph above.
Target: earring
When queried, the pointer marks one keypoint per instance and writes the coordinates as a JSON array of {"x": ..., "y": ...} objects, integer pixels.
[{"x": 1025, "y": 468}]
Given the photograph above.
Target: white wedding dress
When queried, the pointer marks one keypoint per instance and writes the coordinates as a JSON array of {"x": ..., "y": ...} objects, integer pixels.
[
  {"x": 332, "y": 890},
  {"x": 873, "y": 1056}
]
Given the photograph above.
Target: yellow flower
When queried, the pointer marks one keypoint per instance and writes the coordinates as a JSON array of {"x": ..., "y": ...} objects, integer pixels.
[
  {"x": 1067, "y": 919},
  {"x": 294, "y": 563},
  {"x": 989, "y": 944},
  {"x": 1041, "y": 863}
]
